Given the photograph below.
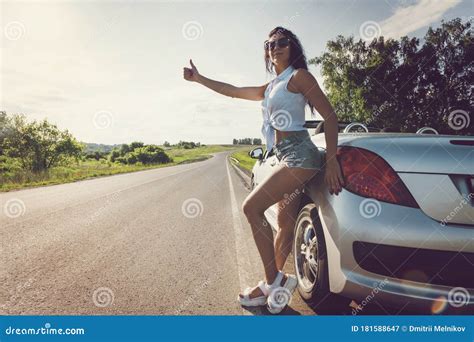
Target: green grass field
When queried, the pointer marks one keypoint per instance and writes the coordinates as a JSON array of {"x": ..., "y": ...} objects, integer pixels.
[
  {"x": 244, "y": 159},
  {"x": 93, "y": 168}
]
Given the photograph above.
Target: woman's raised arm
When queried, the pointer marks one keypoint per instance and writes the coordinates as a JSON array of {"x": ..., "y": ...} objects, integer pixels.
[{"x": 246, "y": 93}]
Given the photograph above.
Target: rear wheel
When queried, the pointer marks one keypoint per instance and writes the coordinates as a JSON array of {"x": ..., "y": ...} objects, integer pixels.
[{"x": 311, "y": 266}]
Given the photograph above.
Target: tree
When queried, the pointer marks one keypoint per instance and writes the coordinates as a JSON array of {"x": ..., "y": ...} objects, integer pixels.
[
  {"x": 5, "y": 129},
  {"x": 124, "y": 149},
  {"x": 188, "y": 144},
  {"x": 97, "y": 155},
  {"x": 39, "y": 145},
  {"x": 114, "y": 154},
  {"x": 396, "y": 83},
  {"x": 136, "y": 144}
]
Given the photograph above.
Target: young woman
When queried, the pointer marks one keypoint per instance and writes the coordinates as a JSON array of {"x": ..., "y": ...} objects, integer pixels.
[{"x": 284, "y": 101}]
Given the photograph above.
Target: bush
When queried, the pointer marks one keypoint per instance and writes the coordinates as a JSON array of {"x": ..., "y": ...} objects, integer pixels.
[
  {"x": 151, "y": 154},
  {"x": 131, "y": 158},
  {"x": 8, "y": 164},
  {"x": 121, "y": 160}
]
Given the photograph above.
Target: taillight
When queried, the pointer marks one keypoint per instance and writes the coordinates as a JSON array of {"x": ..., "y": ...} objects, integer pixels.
[{"x": 369, "y": 175}]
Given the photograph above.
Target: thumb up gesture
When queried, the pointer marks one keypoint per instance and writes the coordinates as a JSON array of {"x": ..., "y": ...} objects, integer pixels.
[{"x": 191, "y": 74}]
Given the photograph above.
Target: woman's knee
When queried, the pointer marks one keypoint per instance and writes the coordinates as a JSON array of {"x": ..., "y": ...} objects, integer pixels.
[{"x": 248, "y": 207}]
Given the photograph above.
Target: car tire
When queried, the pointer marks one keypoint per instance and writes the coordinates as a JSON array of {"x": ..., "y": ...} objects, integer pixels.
[{"x": 311, "y": 264}]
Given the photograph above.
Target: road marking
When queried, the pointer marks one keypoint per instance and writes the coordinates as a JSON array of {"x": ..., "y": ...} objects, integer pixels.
[{"x": 243, "y": 262}]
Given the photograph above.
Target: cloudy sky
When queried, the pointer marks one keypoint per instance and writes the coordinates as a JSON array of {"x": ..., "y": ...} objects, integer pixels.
[{"x": 111, "y": 71}]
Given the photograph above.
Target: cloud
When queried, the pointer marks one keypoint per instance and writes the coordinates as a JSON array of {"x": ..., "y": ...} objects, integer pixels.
[{"x": 408, "y": 19}]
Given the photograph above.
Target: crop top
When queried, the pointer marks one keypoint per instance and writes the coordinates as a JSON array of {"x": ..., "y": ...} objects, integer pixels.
[{"x": 282, "y": 109}]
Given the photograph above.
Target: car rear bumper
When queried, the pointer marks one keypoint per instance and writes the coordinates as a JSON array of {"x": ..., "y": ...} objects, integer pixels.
[{"x": 401, "y": 277}]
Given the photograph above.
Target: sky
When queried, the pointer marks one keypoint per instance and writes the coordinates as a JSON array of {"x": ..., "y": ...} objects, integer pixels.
[{"x": 111, "y": 72}]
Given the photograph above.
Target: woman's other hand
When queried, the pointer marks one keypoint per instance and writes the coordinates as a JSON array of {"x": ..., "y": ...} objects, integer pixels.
[
  {"x": 333, "y": 176},
  {"x": 191, "y": 74}
]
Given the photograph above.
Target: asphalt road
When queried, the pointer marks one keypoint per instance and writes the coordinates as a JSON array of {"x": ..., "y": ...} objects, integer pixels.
[{"x": 168, "y": 241}]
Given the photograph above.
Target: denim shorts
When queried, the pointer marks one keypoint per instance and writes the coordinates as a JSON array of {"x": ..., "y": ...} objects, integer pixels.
[{"x": 298, "y": 150}]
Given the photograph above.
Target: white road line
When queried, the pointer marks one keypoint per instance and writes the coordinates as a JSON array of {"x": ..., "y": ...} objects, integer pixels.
[{"x": 243, "y": 262}]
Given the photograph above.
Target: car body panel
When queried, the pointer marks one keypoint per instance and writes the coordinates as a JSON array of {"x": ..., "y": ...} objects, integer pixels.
[
  {"x": 392, "y": 225},
  {"x": 440, "y": 198},
  {"x": 438, "y": 188}
]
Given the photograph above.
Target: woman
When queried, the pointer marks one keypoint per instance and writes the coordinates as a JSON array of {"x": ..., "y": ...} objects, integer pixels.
[{"x": 284, "y": 100}]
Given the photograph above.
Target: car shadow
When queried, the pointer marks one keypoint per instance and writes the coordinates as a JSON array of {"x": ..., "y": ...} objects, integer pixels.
[{"x": 262, "y": 311}]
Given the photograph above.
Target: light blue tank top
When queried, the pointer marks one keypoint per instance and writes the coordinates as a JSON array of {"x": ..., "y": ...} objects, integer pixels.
[{"x": 282, "y": 109}]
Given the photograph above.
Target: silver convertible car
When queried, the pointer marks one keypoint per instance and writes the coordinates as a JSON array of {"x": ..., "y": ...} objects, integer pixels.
[{"x": 400, "y": 233}]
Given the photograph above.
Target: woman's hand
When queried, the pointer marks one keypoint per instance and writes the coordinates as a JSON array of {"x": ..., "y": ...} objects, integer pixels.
[
  {"x": 333, "y": 176},
  {"x": 191, "y": 74}
]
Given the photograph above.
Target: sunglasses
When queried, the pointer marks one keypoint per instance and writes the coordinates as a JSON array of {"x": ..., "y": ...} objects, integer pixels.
[{"x": 281, "y": 43}]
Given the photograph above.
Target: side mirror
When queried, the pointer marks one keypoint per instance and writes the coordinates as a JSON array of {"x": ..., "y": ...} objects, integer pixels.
[{"x": 256, "y": 153}]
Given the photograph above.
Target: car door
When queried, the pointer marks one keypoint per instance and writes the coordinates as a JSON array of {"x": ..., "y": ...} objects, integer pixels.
[{"x": 267, "y": 164}]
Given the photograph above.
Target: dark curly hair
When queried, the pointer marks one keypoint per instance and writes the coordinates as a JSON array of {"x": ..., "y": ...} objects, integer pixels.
[{"x": 297, "y": 55}]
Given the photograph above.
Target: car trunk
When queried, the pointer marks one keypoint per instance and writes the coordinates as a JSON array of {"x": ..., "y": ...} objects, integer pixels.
[{"x": 438, "y": 170}]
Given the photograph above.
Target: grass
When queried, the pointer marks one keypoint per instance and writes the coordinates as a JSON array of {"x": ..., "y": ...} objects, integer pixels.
[
  {"x": 245, "y": 162},
  {"x": 181, "y": 155},
  {"x": 92, "y": 168}
]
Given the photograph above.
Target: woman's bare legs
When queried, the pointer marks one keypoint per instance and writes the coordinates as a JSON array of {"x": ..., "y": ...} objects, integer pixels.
[
  {"x": 284, "y": 180},
  {"x": 286, "y": 219}
]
